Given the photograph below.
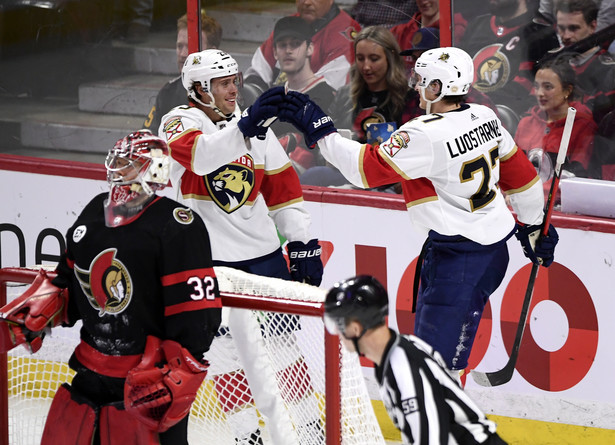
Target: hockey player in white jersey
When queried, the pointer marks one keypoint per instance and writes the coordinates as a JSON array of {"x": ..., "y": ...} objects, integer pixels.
[
  {"x": 230, "y": 168},
  {"x": 453, "y": 163}
]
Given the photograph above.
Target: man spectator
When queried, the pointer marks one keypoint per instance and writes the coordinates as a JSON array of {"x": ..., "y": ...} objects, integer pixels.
[
  {"x": 594, "y": 67},
  {"x": 293, "y": 48},
  {"x": 333, "y": 33},
  {"x": 173, "y": 93},
  {"x": 505, "y": 46}
]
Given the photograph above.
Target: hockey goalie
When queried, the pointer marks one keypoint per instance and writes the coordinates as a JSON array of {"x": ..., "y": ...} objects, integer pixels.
[{"x": 138, "y": 273}]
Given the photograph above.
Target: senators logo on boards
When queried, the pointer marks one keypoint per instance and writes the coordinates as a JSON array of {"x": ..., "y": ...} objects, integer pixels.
[
  {"x": 107, "y": 284},
  {"x": 491, "y": 68},
  {"x": 231, "y": 185}
]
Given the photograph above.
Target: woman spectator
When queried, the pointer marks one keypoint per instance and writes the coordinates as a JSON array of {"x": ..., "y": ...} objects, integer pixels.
[
  {"x": 540, "y": 130},
  {"x": 378, "y": 93}
]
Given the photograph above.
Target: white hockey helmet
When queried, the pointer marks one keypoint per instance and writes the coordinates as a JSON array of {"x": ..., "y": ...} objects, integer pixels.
[
  {"x": 452, "y": 67},
  {"x": 137, "y": 166},
  {"x": 203, "y": 66}
]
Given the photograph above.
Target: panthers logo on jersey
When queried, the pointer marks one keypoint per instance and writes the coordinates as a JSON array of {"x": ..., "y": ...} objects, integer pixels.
[
  {"x": 107, "y": 284},
  {"x": 492, "y": 68},
  {"x": 231, "y": 185}
]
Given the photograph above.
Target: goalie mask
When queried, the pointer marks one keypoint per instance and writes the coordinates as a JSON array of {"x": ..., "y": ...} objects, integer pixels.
[
  {"x": 361, "y": 298},
  {"x": 137, "y": 166},
  {"x": 201, "y": 68},
  {"x": 450, "y": 69}
]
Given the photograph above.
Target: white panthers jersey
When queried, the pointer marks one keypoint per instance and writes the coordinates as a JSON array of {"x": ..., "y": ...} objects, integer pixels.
[
  {"x": 452, "y": 167},
  {"x": 244, "y": 191}
]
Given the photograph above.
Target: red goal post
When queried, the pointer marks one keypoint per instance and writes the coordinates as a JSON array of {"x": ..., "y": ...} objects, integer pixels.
[{"x": 345, "y": 406}]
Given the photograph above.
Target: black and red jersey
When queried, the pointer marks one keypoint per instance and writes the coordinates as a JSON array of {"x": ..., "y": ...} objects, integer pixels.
[{"x": 153, "y": 276}]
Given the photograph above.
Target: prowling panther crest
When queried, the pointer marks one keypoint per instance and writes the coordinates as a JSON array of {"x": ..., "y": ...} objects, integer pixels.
[{"x": 231, "y": 185}]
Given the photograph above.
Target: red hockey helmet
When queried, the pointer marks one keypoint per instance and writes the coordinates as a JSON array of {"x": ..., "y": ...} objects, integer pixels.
[{"x": 137, "y": 166}]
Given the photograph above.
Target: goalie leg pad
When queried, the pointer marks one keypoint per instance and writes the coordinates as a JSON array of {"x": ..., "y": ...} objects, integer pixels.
[
  {"x": 160, "y": 394},
  {"x": 116, "y": 427},
  {"x": 71, "y": 420}
]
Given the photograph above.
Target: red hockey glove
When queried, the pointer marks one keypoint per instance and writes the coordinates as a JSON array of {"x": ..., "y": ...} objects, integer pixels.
[
  {"x": 160, "y": 390},
  {"x": 305, "y": 263},
  {"x": 26, "y": 319}
]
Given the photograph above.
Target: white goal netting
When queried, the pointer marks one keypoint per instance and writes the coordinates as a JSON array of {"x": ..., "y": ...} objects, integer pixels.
[{"x": 267, "y": 372}]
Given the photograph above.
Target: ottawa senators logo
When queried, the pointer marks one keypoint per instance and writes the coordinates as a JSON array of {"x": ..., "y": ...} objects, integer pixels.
[
  {"x": 231, "y": 185},
  {"x": 492, "y": 68},
  {"x": 107, "y": 284}
]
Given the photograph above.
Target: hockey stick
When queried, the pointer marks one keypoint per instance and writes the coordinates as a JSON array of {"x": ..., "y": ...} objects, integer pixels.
[{"x": 505, "y": 374}]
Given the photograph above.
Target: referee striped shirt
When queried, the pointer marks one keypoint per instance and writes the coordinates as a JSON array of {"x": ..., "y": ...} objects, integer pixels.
[{"x": 426, "y": 404}]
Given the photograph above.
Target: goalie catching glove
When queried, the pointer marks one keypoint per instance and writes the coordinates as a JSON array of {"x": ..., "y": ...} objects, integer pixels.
[
  {"x": 539, "y": 249},
  {"x": 305, "y": 263},
  {"x": 26, "y": 319},
  {"x": 307, "y": 116},
  {"x": 160, "y": 390},
  {"x": 255, "y": 119}
]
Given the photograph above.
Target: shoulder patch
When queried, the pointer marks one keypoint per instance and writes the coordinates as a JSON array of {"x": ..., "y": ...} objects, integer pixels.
[
  {"x": 395, "y": 143},
  {"x": 173, "y": 127},
  {"x": 79, "y": 233},
  {"x": 183, "y": 215}
]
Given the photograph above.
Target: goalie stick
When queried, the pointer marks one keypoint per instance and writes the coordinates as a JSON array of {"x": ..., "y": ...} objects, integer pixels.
[{"x": 504, "y": 375}]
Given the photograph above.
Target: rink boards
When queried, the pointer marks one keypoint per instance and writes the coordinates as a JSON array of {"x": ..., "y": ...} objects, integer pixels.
[{"x": 561, "y": 392}]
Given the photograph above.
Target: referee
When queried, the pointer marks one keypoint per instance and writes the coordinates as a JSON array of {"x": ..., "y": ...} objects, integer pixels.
[{"x": 424, "y": 401}]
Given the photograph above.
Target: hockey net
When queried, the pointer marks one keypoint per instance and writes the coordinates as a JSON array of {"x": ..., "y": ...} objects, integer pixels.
[{"x": 318, "y": 388}]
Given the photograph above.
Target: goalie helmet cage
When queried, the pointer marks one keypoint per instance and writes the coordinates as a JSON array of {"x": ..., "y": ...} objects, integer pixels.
[{"x": 336, "y": 385}]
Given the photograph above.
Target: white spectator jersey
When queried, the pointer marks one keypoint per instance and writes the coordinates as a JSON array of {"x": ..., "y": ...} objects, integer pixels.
[
  {"x": 453, "y": 167},
  {"x": 243, "y": 190}
]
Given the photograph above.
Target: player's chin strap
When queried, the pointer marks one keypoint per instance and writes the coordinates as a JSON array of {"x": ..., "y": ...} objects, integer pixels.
[
  {"x": 429, "y": 102},
  {"x": 213, "y": 106}
]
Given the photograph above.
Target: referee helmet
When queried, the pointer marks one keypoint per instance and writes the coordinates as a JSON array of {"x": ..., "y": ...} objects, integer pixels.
[{"x": 361, "y": 298}]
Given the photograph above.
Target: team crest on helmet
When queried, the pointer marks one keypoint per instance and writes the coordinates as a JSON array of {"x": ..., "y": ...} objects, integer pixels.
[
  {"x": 107, "y": 284},
  {"x": 173, "y": 127},
  {"x": 396, "y": 143},
  {"x": 492, "y": 69},
  {"x": 231, "y": 185},
  {"x": 183, "y": 215},
  {"x": 444, "y": 57},
  {"x": 196, "y": 60}
]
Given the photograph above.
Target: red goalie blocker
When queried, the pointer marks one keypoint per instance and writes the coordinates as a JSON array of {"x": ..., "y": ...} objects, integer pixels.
[
  {"x": 160, "y": 390},
  {"x": 23, "y": 320}
]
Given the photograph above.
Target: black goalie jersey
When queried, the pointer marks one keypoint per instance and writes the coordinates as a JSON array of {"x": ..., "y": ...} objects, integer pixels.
[
  {"x": 153, "y": 276},
  {"x": 505, "y": 55}
]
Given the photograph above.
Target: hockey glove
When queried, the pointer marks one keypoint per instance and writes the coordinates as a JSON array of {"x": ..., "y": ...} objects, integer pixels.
[
  {"x": 539, "y": 249},
  {"x": 307, "y": 116},
  {"x": 255, "y": 119},
  {"x": 160, "y": 390},
  {"x": 305, "y": 263}
]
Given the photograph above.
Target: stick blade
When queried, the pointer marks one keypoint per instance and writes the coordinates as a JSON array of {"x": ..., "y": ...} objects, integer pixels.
[{"x": 496, "y": 378}]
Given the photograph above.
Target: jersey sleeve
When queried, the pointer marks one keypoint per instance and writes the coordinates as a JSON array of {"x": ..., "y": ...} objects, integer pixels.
[
  {"x": 190, "y": 287},
  {"x": 195, "y": 150},
  {"x": 283, "y": 193},
  {"x": 518, "y": 178}
]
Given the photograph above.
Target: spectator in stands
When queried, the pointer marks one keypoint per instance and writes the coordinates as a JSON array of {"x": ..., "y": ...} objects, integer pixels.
[
  {"x": 333, "y": 33},
  {"x": 540, "y": 131},
  {"x": 605, "y": 17},
  {"x": 594, "y": 66},
  {"x": 428, "y": 16},
  {"x": 504, "y": 46},
  {"x": 293, "y": 48},
  {"x": 378, "y": 93},
  {"x": 173, "y": 93},
  {"x": 385, "y": 13},
  {"x": 423, "y": 400}
]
